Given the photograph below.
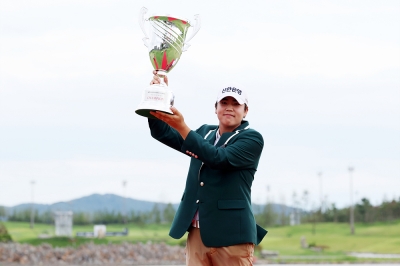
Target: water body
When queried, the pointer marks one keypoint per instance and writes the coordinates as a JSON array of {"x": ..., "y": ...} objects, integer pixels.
[{"x": 374, "y": 255}]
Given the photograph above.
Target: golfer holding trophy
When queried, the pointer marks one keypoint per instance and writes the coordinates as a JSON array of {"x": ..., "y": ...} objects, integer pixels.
[{"x": 216, "y": 204}]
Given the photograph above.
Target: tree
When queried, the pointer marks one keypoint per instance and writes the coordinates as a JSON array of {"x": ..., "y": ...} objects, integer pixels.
[
  {"x": 335, "y": 213},
  {"x": 314, "y": 217},
  {"x": 155, "y": 214},
  {"x": 304, "y": 200},
  {"x": 81, "y": 218},
  {"x": 283, "y": 216},
  {"x": 2, "y": 211},
  {"x": 296, "y": 208},
  {"x": 364, "y": 210},
  {"x": 269, "y": 215},
  {"x": 169, "y": 213}
]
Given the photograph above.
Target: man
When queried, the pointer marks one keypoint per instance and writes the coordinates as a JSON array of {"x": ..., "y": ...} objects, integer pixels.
[{"x": 216, "y": 205}]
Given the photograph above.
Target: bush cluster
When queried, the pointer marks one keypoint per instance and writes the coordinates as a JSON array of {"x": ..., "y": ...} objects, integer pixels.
[{"x": 4, "y": 235}]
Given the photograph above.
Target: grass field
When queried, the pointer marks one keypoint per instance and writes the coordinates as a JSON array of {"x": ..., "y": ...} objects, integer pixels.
[
  {"x": 375, "y": 238},
  {"x": 22, "y": 233}
]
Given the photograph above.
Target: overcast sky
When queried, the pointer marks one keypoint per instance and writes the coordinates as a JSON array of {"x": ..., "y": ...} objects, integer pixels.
[{"x": 323, "y": 79}]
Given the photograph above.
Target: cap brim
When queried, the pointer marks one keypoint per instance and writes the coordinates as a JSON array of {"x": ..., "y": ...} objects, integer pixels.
[{"x": 234, "y": 95}]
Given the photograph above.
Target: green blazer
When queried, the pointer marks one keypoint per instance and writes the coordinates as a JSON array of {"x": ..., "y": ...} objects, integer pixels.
[{"x": 218, "y": 183}]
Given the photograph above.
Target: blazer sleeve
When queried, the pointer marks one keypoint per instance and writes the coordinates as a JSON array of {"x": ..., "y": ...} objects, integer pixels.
[
  {"x": 165, "y": 134},
  {"x": 241, "y": 153}
]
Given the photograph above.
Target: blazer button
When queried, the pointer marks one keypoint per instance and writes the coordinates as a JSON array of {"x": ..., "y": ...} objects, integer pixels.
[
  {"x": 197, "y": 201},
  {"x": 201, "y": 183}
]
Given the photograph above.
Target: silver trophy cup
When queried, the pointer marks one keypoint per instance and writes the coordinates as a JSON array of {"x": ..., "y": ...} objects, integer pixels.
[{"x": 166, "y": 38}]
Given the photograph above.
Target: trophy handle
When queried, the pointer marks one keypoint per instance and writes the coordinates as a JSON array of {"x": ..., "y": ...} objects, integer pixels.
[
  {"x": 196, "y": 28},
  {"x": 143, "y": 11}
]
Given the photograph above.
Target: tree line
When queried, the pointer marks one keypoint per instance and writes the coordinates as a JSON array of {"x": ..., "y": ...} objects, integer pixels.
[
  {"x": 157, "y": 215},
  {"x": 364, "y": 211}
]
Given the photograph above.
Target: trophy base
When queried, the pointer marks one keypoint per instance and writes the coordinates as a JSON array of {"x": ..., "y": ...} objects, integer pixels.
[
  {"x": 146, "y": 112},
  {"x": 156, "y": 97}
]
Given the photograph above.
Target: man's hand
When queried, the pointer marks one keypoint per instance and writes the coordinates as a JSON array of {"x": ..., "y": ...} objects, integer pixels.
[
  {"x": 175, "y": 121},
  {"x": 157, "y": 80}
]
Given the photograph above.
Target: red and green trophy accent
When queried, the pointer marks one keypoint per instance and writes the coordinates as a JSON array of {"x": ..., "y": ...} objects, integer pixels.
[
  {"x": 166, "y": 40},
  {"x": 173, "y": 42}
]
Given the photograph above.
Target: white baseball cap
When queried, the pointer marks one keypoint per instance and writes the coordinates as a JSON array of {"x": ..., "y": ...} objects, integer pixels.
[{"x": 239, "y": 94}]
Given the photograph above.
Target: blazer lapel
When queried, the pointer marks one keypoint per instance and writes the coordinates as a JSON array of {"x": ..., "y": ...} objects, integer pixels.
[
  {"x": 227, "y": 135},
  {"x": 211, "y": 136},
  {"x": 223, "y": 138}
]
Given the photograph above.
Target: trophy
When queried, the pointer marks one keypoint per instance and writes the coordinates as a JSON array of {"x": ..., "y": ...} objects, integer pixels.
[{"x": 166, "y": 40}]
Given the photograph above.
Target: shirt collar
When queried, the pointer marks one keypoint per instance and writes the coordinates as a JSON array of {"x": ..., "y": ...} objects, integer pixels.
[{"x": 217, "y": 136}]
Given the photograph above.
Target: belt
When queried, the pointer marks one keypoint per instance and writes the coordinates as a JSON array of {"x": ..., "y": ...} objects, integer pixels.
[{"x": 195, "y": 223}]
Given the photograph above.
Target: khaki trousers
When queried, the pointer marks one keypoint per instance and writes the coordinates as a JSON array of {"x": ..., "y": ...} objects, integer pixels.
[{"x": 199, "y": 255}]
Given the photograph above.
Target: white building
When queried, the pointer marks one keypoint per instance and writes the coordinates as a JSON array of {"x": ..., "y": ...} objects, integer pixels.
[
  {"x": 63, "y": 223},
  {"x": 99, "y": 230}
]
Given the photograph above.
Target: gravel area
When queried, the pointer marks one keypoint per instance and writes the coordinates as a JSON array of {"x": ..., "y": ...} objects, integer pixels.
[{"x": 90, "y": 254}]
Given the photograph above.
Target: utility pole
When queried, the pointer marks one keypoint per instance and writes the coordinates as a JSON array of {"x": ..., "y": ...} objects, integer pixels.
[
  {"x": 268, "y": 209},
  {"x": 351, "y": 169},
  {"x": 268, "y": 213},
  {"x": 124, "y": 185},
  {"x": 313, "y": 219},
  {"x": 320, "y": 194},
  {"x": 32, "y": 209}
]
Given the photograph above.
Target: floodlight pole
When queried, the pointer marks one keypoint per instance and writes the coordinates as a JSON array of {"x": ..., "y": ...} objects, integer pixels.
[
  {"x": 32, "y": 208},
  {"x": 351, "y": 169},
  {"x": 124, "y": 185},
  {"x": 268, "y": 207},
  {"x": 320, "y": 191}
]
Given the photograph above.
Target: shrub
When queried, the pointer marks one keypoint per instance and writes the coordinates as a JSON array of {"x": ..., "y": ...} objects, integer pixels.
[{"x": 4, "y": 235}]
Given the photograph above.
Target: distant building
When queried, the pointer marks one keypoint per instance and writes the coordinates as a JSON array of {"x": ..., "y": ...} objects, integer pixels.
[
  {"x": 295, "y": 217},
  {"x": 99, "y": 230},
  {"x": 63, "y": 223}
]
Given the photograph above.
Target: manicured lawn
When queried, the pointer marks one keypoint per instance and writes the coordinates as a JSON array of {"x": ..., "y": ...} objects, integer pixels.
[
  {"x": 21, "y": 232},
  {"x": 376, "y": 238}
]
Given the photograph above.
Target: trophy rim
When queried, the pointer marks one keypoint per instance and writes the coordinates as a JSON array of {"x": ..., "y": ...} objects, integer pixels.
[{"x": 174, "y": 17}]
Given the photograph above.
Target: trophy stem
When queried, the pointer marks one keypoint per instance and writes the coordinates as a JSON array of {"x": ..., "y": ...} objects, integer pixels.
[{"x": 161, "y": 74}]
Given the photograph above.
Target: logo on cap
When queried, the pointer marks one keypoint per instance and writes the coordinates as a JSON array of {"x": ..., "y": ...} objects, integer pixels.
[{"x": 232, "y": 89}]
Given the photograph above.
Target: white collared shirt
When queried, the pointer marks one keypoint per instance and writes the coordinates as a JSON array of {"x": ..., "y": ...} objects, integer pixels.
[{"x": 217, "y": 136}]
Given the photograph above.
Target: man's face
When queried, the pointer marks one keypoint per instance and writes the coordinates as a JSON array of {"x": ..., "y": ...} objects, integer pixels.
[{"x": 230, "y": 113}]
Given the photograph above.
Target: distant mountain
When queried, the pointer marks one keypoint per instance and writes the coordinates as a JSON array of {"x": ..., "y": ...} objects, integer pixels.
[
  {"x": 115, "y": 203},
  {"x": 94, "y": 203}
]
